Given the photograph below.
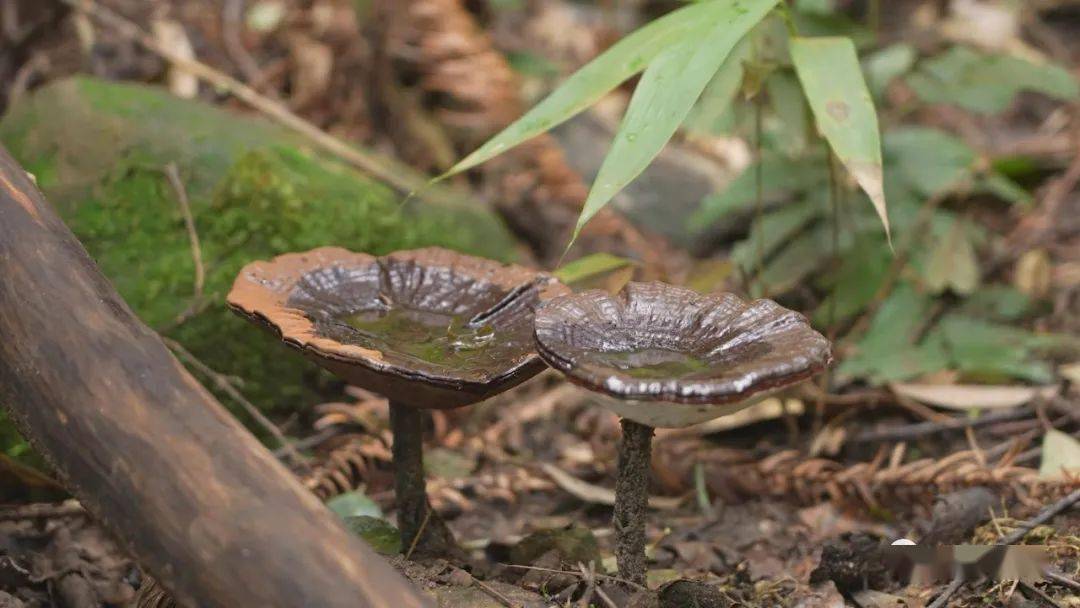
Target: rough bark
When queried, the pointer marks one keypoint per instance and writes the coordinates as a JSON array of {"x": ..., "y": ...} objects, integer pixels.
[
  {"x": 196, "y": 499},
  {"x": 632, "y": 500}
]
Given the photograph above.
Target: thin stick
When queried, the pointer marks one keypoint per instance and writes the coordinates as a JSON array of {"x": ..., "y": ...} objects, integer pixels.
[
  {"x": 920, "y": 410},
  {"x": 1061, "y": 579},
  {"x": 834, "y": 213},
  {"x": 759, "y": 196},
  {"x": 607, "y": 600},
  {"x": 1044, "y": 516},
  {"x": 949, "y": 591},
  {"x": 590, "y": 586},
  {"x": 226, "y": 387},
  {"x": 379, "y": 168},
  {"x": 1038, "y": 592},
  {"x": 68, "y": 508},
  {"x": 494, "y": 593},
  {"x": 231, "y": 18},
  {"x": 419, "y": 533},
  {"x": 554, "y": 571},
  {"x": 922, "y": 429},
  {"x": 1055, "y": 195},
  {"x": 590, "y": 575},
  {"x": 172, "y": 173}
]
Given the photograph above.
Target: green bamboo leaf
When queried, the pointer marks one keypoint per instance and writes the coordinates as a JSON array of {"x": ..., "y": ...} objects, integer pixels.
[
  {"x": 587, "y": 85},
  {"x": 671, "y": 85},
  {"x": 720, "y": 92},
  {"x": 832, "y": 79},
  {"x": 590, "y": 267}
]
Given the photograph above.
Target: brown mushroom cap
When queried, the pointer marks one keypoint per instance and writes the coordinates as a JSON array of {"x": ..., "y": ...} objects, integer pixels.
[
  {"x": 429, "y": 328},
  {"x": 657, "y": 342}
]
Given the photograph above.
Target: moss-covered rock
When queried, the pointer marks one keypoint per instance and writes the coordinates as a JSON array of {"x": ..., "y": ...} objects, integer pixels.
[{"x": 98, "y": 150}]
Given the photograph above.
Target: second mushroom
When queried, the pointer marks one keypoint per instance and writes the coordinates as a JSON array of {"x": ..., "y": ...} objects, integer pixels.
[
  {"x": 664, "y": 356},
  {"x": 427, "y": 329}
]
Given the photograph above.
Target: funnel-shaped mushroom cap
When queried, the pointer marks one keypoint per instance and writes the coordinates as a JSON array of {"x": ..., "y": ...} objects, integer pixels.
[
  {"x": 672, "y": 357},
  {"x": 429, "y": 328}
]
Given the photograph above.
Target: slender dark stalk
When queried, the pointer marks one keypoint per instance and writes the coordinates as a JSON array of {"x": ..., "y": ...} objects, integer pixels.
[
  {"x": 632, "y": 500},
  {"x": 410, "y": 491},
  {"x": 759, "y": 195}
]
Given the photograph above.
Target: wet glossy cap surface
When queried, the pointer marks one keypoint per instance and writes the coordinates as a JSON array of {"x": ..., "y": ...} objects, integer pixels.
[
  {"x": 430, "y": 328},
  {"x": 658, "y": 342}
]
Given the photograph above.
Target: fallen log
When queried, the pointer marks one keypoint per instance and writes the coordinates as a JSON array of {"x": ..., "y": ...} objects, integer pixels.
[{"x": 195, "y": 498}]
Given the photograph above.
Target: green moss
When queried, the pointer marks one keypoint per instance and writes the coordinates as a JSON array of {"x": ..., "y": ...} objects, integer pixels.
[
  {"x": 379, "y": 533},
  {"x": 98, "y": 151}
]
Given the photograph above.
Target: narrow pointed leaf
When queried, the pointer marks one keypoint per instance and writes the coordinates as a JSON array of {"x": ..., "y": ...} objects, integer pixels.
[
  {"x": 720, "y": 92},
  {"x": 832, "y": 79},
  {"x": 587, "y": 85},
  {"x": 671, "y": 85},
  {"x": 591, "y": 266}
]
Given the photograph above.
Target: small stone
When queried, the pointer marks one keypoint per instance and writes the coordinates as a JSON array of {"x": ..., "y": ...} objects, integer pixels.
[{"x": 459, "y": 578}]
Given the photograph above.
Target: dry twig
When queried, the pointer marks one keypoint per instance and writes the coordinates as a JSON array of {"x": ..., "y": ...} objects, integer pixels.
[
  {"x": 226, "y": 387},
  {"x": 494, "y": 593},
  {"x": 578, "y": 574},
  {"x": 1044, "y": 516},
  {"x": 954, "y": 586},
  {"x": 68, "y": 508},
  {"x": 232, "y": 16},
  {"x": 172, "y": 173}
]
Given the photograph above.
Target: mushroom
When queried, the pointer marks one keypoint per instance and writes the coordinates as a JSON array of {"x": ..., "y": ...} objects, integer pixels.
[
  {"x": 664, "y": 356},
  {"x": 427, "y": 329}
]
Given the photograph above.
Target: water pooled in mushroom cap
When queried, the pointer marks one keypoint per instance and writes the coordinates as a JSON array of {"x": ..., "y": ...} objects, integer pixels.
[
  {"x": 430, "y": 337},
  {"x": 653, "y": 363},
  {"x": 429, "y": 312}
]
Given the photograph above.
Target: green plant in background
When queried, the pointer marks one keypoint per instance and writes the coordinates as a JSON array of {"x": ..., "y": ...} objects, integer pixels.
[
  {"x": 778, "y": 73},
  {"x": 681, "y": 55}
]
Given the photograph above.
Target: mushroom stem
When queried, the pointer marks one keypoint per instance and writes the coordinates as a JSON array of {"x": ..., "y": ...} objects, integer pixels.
[
  {"x": 415, "y": 516},
  {"x": 632, "y": 499}
]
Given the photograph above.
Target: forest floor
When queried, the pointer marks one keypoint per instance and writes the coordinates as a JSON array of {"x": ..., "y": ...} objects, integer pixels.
[{"x": 784, "y": 504}]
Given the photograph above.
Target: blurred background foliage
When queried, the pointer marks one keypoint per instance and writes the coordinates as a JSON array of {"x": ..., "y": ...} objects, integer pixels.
[
  {"x": 796, "y": 227},
  {"x": 720, "y": 151}
]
